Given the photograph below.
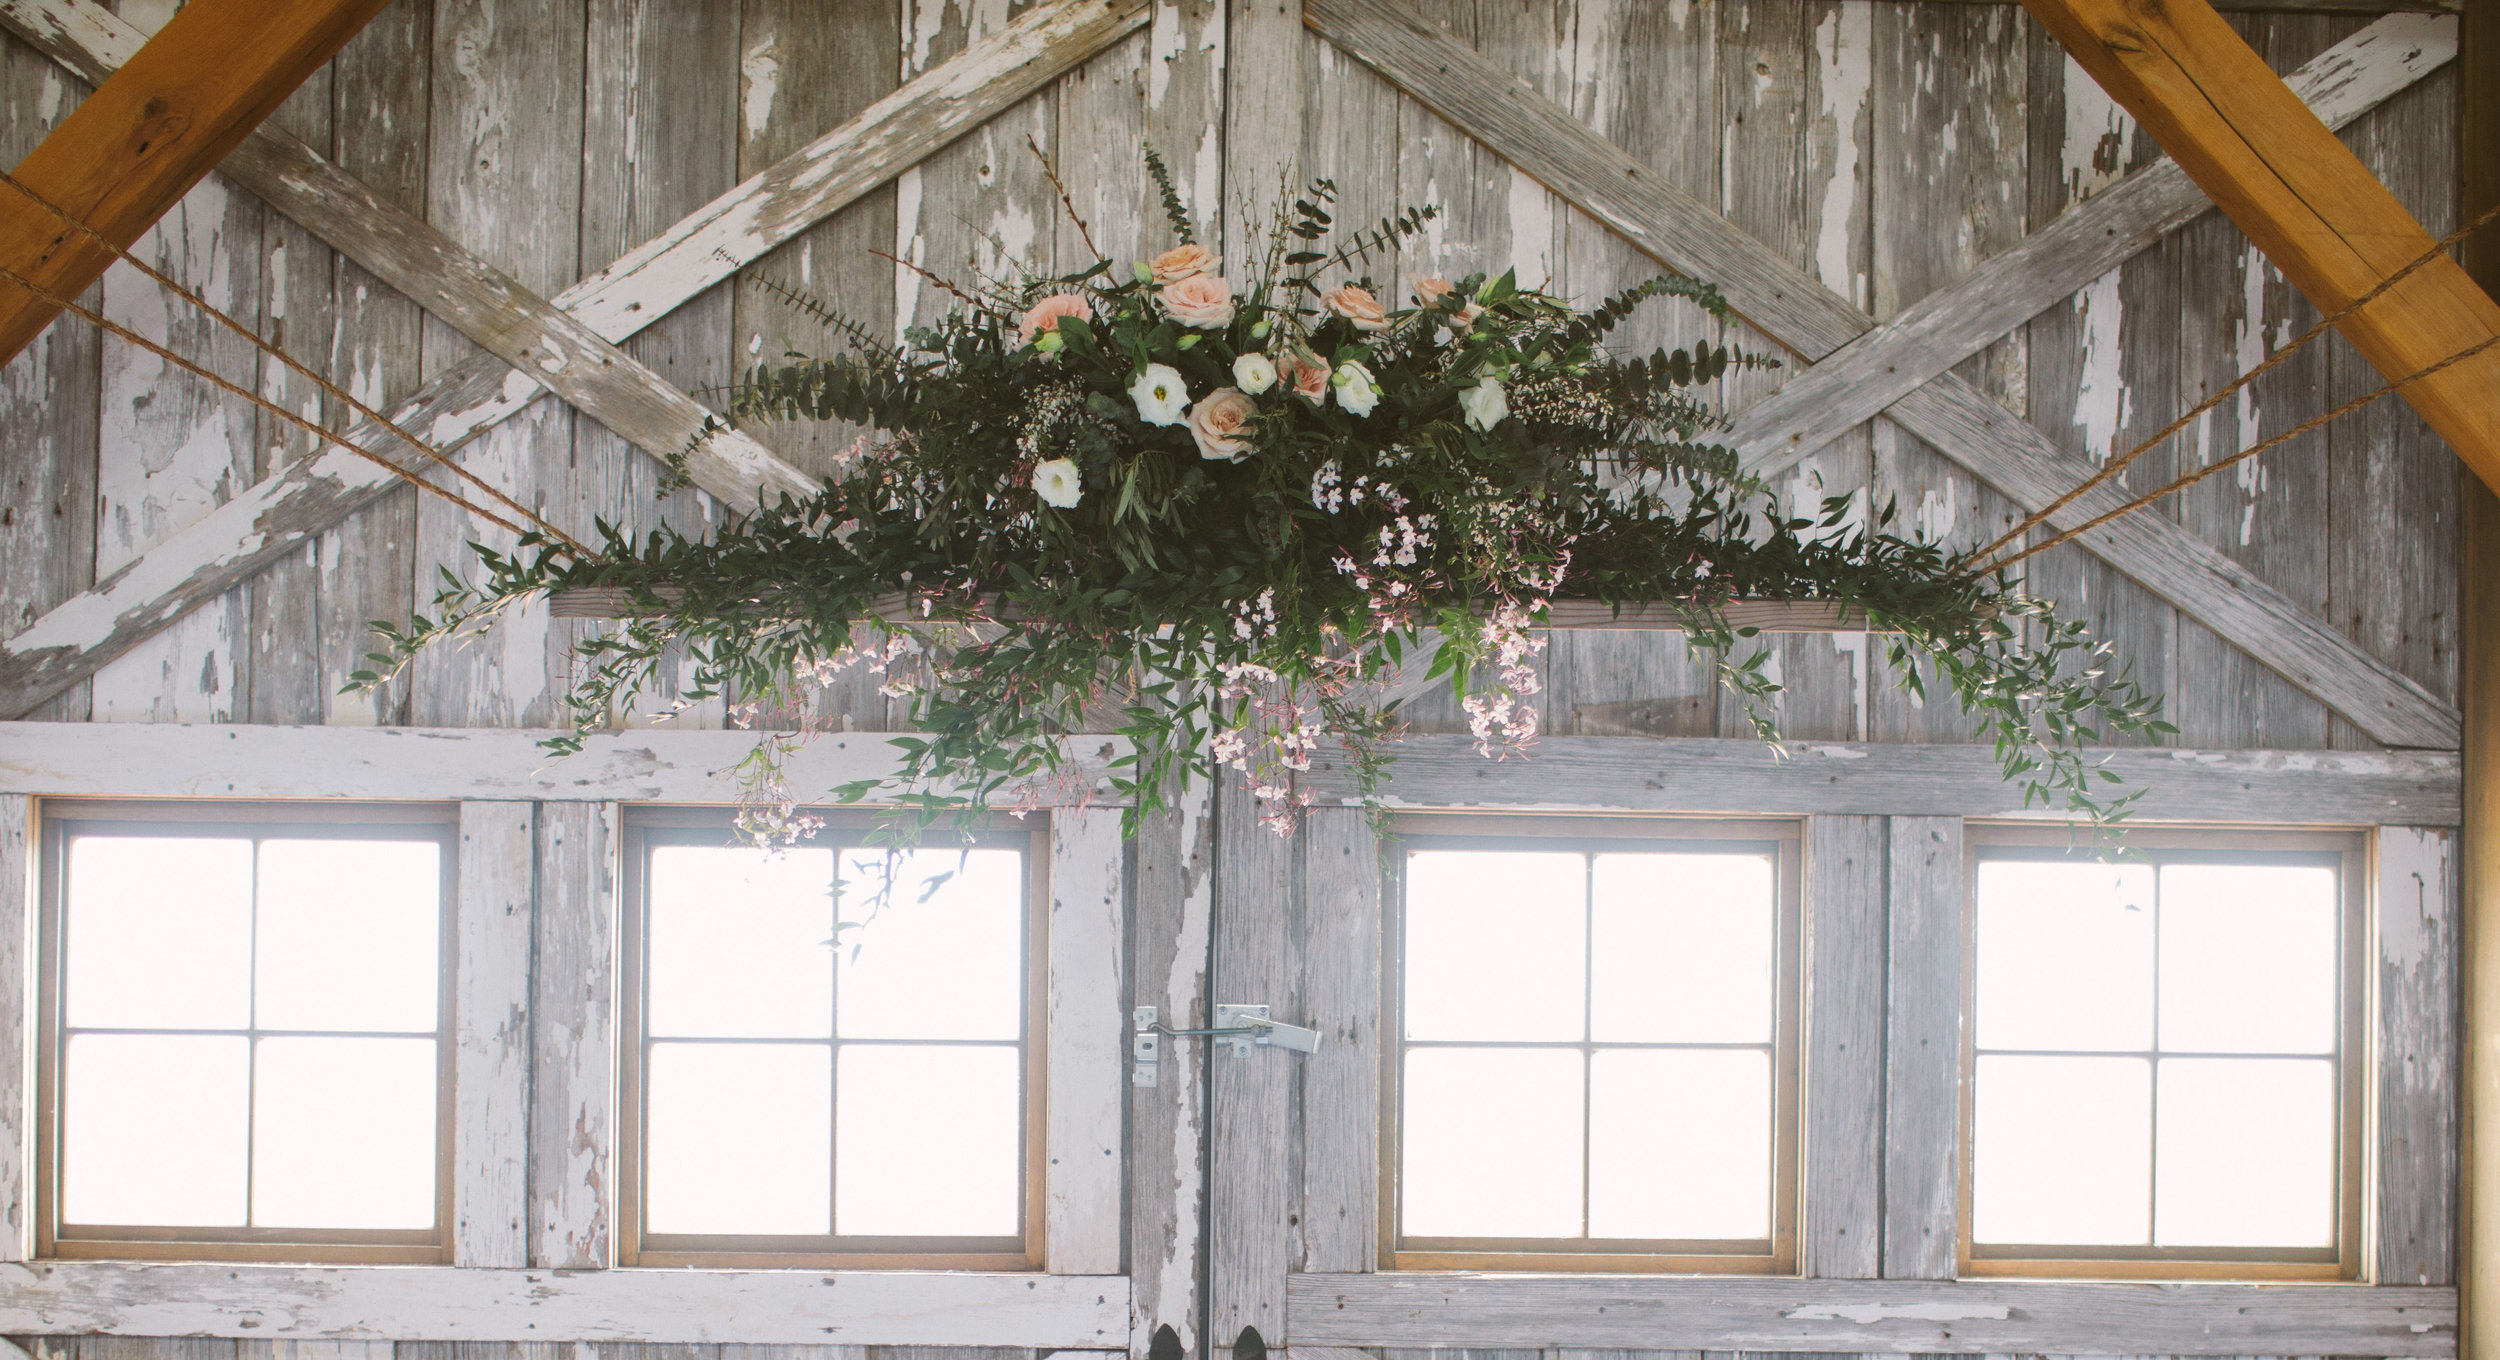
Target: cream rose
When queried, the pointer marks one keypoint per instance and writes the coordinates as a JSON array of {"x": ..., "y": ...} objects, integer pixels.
[
  {"x": 1254, "y": 373},
  {"x": 1430, "y": 289},
  {"x": 1044, "y": 315},
  {"x": 1201, "y": 300},
  {"x": 1182, "y": 262},
  {"x": 1220, "y": 422},
  {"x": 1358, "y": 306}
]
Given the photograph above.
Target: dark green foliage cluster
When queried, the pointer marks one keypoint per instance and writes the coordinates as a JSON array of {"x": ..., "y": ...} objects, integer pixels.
[{"x": 1188, "y": 599}]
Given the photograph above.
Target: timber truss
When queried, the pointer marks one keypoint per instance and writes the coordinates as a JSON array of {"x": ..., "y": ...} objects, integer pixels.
[{"x": 1853, "y": 369}]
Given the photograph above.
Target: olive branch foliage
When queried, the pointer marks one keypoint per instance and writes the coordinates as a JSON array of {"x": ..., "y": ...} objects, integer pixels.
[{"x": 1185, "y": 601}]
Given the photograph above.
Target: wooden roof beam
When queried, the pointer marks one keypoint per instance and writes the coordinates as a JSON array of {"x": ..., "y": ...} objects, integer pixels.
[
  {"x": 129, "y": 153},
  {"x": 2303, "y": 198}
]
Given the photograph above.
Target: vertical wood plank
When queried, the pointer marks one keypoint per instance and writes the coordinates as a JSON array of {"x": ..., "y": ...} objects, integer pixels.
[
  {"x": 1923, "y": 1048},
  {"x": 312, "y": 1350},
  {"x": 2103, "y": 370},
  {"x": 2478, "y": 840},
  {"x": 491, "y": 1029},
  {"x": 1645, "y": 77},
  {"x": 1249, "y": 1195},
  {"x": 17, "y": 1026},
  {"x": 297, "y": 308},
  {"x": 506, "y": 181},
  {"x": 1167, "y": 1131},
  {"x": 659, "y": 140},
  {"x": 48, "y": 407},
  {"x": 1793, "y": 81},
  {"x": 2394, "y": 486},
  {"x": 368, "y": 563},
  {"x": 1088, "y": 1041},
  {"x": 573, "y": 1043},
  {"x": 2270, "y": 513},
  {"x": 2418, "y": 1067},
  {"x": 1341, "y": 960},
  {"x": 171, "y": 447},
  {"x": 1948, "y": 173},
  {"x": 1840, "y": 1236}
]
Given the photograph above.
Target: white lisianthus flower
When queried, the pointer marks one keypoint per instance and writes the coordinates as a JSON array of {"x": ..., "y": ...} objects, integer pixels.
[
  {"x": 1253, "y": 373},
  {"x": 1357, "y": 390},
  {"x": 1057, "y": 483},
  {"x": 1160, "y": 395},
  {"x": 1486, "y": 404}
]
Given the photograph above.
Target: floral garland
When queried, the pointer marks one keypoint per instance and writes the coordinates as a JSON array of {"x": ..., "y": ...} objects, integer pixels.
[{"x": 1218, "y": 517}]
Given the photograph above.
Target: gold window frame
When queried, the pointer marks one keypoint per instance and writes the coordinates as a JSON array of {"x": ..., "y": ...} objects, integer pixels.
[
  {"x": 1783, "y": 840},
  {"x": 2348, "y": 849},
  {"x": 55, "y": 1239},
  {"x": 645, "y": 826}
]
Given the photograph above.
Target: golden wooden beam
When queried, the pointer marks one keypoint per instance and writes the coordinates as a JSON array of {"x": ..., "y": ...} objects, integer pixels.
[
  {"x": 124, "y": 157},
  {"x": 2301, "y": 196}
]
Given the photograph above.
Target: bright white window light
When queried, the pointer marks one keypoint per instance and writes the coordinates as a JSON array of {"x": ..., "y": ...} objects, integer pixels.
[
  {"x": 251, "y": 1032},
  {"x": 1589, "y": 1047},
  {"x": 835, "y": 1044},
  {"x": 2156, "y": 1054}
]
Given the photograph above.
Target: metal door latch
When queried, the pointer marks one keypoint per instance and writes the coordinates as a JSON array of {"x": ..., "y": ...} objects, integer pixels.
[{"x": 1236, "y": 1026}]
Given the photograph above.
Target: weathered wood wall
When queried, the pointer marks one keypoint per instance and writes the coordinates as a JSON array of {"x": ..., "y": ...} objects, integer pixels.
[{"x": 1884, "y": 148}]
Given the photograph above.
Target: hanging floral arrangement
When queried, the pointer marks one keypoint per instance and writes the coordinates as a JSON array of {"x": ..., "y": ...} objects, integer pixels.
[{"x": 1215, "y": 511}]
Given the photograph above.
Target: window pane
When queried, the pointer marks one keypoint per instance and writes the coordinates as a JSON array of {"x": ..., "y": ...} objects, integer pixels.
[
  {"x": 2247, "y": 1153},
  {"x": 2248, "y": 958},
  {"x": 160, "y": 933},
  {"x": 1491, "y": 1140},
  {"x": 343, "y": 1133},
  {"x": 1496, "y": 945},
  {"x": 941, "y": 957},
  {"x": 347, "y": 935},
  {"x": 928, "y": 1141},
  {"x": 2065, "y": 955},
  {"x": 1680, "y": 1144},
  {"x": 1684, "y": 949},
  {"x": 740, "y": 1138},
  {"x": 2062, "y": 1150},
  {"x": 152, "y": 1130},
  {"x": 741, "y": 942}
]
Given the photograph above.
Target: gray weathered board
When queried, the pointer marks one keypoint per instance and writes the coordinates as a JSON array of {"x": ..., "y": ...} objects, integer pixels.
[{"x": 212, "y": 574}]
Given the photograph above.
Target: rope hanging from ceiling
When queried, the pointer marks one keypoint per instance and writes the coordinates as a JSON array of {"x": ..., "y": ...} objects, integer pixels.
[{"x": 253, "y": 338}]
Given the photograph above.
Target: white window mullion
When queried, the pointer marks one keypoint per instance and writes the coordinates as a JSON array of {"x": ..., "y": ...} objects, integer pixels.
[
  {"x": 491, "y": 999},
  {"x": 1087, "y": 1033}
]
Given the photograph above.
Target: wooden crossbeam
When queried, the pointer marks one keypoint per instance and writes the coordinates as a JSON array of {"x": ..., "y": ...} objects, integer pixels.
[
  {"x": 275, "y": 517},
  {"x": 1633, "y": 200},
  {"x": 485, "y": 304},
  {"x": 2303, "y": 198},
  {"x": 2081, "y": 244},
  {"x": 129, "y": 153}
]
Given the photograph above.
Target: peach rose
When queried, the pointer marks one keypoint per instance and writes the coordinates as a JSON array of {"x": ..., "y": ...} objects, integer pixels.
[
  {"x": 1183, "y": 262},
  {"x": 1044, "y": 315},
  {"x": 1220, "y": 422},
  {"x": 1358, "y": 306},
  {"x": 1307, "y": 376},
  {"x": 1201, "y": 300},
  {"x": 1430, "y": 289}
]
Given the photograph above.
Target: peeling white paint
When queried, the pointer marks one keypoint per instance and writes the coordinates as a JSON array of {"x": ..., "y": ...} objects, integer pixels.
[
  {"x": 2101, "y": 397},
  {"x": 761, "y": 72},
  {"x": 1165, "y": 41},
  {"x": 909, "y": 245},
  {"x": 1844, "y": 50},
  {"x": 48, "y": 98},
  {"x": 2093, "y": 155}
]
